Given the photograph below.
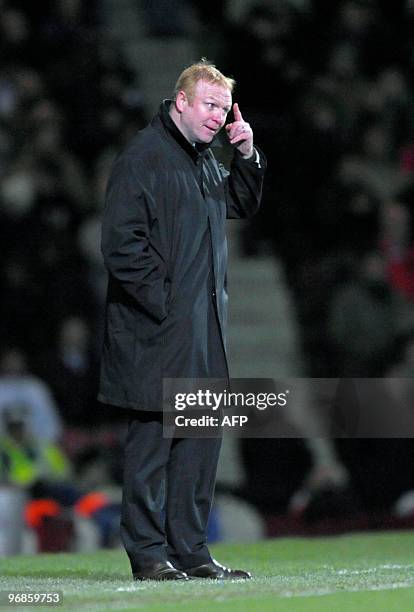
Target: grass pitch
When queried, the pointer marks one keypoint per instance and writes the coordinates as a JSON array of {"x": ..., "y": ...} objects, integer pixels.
[{"x": 346, "y": 573}]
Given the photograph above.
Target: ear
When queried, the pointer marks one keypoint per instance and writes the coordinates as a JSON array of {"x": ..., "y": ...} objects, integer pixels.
[{"x": 181, "y": 101}]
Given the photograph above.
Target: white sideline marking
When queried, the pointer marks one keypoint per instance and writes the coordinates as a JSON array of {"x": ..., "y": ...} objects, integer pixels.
[
  {"x": 373, "y": 570},
  {"x": 321, "y": 592}
]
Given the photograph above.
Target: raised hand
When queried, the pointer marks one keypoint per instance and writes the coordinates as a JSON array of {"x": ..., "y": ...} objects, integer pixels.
[{"x": 240, "y": 133}]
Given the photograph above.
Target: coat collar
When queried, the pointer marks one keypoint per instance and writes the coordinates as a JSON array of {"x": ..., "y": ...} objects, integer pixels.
[{"x": 193, "y": 151}]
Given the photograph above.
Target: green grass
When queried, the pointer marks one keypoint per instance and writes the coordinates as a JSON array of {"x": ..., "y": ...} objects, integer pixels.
[{"x": 347, "y": 573}]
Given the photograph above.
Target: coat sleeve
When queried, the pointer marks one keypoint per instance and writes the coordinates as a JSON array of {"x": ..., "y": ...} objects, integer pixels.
[
  {"x": 129, "y": 215},
  {"x": 244, "y": 185}
]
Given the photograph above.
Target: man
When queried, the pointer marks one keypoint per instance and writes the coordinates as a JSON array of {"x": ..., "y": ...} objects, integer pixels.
[{"x": 165, "y": 249}]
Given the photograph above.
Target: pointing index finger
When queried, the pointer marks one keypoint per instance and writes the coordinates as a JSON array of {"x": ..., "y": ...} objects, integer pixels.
[{"x": 236, "y": 112}]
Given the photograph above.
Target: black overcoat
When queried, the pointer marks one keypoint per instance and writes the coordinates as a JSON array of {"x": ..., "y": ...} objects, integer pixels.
[{"x": 164, "y": 246}]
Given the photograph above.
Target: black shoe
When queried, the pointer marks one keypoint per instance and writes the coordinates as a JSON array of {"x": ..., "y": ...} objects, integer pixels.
[
  {"x": 216, "y": 571},
  {"x": 163, "y": 570}
]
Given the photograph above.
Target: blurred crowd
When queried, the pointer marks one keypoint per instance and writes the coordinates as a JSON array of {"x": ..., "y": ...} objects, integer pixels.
[
  {"x": 328, "y": 88},
  {"x": 68, "y": 101}
]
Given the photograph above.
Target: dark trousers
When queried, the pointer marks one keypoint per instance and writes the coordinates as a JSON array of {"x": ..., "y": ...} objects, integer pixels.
[{"x": 167, "y": 494}]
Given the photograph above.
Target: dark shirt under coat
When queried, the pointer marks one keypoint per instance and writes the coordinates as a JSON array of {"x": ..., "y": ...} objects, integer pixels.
[{"x": 164, "y": 246}]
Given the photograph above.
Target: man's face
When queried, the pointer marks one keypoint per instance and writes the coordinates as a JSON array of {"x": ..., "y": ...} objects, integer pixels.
[{"x": 204, "y": 116}]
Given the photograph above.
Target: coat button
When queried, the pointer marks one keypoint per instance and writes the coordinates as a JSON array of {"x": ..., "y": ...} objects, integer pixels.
[{"x": 213, "y": 293}]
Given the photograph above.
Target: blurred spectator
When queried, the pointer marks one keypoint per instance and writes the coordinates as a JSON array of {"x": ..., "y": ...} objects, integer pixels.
[
  {"x": 21, "y": 302},
  {"x": 17, "y": 43},
  {"x": 30, "y": 462},
  {"x": 363, "y": 321},
  {"x": 71, "y": 371},
  {"x": 398, "y": 248},
  {"x": 19, "y": 388},
  {"x": 165, "y": 17},
  {"x": 374, "y": 167}
]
